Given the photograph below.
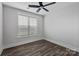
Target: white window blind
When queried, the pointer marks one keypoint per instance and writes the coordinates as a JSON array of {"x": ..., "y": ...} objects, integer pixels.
[
  {"x": 27, "y": 26},
  {"x": 33, "y": 26}
]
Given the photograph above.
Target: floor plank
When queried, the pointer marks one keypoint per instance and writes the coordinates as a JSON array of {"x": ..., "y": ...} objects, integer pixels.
[{"x": 39, "y": 48}]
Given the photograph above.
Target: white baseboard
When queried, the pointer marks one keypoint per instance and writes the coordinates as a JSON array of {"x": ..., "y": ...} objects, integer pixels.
[
  {"x": 62, "y": 43},
  {"x": 22, "y": 42}
]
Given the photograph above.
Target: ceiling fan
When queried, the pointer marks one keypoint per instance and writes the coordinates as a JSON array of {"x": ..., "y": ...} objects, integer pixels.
[{"x": 41, "y": 6}]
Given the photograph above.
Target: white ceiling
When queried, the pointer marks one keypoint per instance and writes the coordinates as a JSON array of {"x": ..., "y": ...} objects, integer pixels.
[{"x": 24, "y": 6}]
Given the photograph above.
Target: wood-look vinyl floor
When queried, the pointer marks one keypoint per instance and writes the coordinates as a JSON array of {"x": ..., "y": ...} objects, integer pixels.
[{"x": 39, "y": 48}]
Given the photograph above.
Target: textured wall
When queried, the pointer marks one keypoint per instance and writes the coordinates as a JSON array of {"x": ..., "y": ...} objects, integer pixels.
[
  {"x": 61, "y": 26},
  {"x": 10, "y": 26}
]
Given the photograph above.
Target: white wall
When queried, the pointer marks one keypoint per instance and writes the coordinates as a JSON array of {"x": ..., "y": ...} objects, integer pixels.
[
  {"x": 0, "y": 28},
  {"x": 62, "y": 26},
  {"x": 10, "y": 27}
]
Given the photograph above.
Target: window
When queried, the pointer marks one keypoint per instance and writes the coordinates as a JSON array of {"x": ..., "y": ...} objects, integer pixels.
[
  {"x": 27, "y": 26},
  {"x": 33, "y": 26}
]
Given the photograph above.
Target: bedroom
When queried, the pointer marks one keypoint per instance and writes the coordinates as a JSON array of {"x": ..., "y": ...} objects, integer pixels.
[{"x": 37, "y": 31}]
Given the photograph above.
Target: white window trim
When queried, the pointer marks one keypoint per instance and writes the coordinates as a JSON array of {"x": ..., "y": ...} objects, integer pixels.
[{"x": 28, "y": 26}]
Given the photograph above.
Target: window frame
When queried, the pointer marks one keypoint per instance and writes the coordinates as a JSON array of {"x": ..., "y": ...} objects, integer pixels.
[{"x": 28, "y": 26}]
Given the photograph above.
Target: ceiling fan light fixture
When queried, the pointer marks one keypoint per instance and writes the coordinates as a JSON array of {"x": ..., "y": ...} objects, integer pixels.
[{"x": 41, "y": 6}]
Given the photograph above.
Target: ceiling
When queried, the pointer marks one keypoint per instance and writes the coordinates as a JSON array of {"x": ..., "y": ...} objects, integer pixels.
[{"x": 24, "y": 6}]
